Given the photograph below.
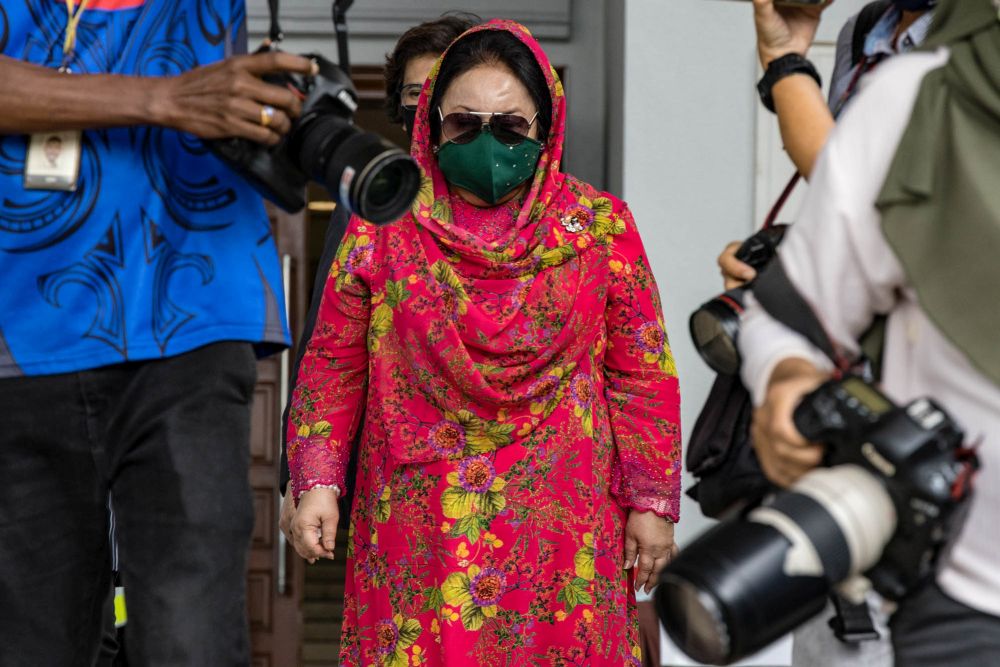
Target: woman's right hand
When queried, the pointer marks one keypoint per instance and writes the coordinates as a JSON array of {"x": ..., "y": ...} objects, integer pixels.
[
  {"x": 314, "y": 526},
  {"x": 784, "y": 30},
  {"x": 734, "y": 272}
]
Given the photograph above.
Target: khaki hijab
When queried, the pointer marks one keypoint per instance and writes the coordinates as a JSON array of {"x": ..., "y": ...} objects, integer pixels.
[{"x": 940, "y": 203}]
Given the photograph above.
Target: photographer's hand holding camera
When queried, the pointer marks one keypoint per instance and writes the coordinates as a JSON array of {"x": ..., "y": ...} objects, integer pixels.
[
  {"x": 224, "y": 99},
  {"x": 229, "y": 99},
  {"x": 919, "y": 255},
  {"x": 783, "y": 453}
]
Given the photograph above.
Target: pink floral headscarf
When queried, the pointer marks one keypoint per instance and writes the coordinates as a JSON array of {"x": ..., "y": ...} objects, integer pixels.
[{"x": 539, "y": 242}]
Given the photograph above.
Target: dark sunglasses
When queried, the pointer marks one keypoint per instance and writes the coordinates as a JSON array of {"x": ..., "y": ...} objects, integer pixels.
[{"x": 461, "y": 128}]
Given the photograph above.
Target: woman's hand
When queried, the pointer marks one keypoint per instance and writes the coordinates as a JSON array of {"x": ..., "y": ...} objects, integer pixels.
[
  {"x": 734, "y": 272},
  {"x": 314, "y": 526},
  {"x": 784, "y": 30},
  {"x": 650, "y": 539}
]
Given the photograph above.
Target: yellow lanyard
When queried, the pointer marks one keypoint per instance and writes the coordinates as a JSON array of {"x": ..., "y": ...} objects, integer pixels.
[{"x": 73, "y": 15}]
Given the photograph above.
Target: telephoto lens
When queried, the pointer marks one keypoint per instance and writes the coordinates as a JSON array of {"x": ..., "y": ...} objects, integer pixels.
[
  {"x": 894, "y": 492},
  {"x": 363, "y": 172},
  {"x": 746, "y": 583},
  {"x": 366, "y": 173}
]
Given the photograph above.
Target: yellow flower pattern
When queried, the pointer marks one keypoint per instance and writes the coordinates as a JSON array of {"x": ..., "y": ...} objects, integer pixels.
[{"x": 512, "y": 402}]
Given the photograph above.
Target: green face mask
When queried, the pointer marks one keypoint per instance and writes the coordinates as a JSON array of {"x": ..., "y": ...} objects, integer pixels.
[{"x": 487, "y": 167}]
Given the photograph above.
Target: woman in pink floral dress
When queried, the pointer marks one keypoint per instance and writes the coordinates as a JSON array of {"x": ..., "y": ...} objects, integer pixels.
[{"x": 520, "y": 448}]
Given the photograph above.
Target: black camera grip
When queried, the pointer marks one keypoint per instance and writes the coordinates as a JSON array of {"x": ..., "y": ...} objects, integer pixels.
[{"x": 817, "y": 417}]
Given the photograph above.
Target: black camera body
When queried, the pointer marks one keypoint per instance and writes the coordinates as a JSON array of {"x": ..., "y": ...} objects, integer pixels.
[
  {"x": 917, "y": 454},
  {"x": 715, "y": 325},
  {"x": 363, "y": 172},
  {"x": 894, "y": 490},
  {"x": 761, "y": 248}
]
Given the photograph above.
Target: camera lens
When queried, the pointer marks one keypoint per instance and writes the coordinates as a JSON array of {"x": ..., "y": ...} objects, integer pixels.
[
  {"x": 365, "y": 173},
  {"x": 699, "y": 628},
  {"x": 385, "y": 187},
  {"x": 748, "y": 581},
  {"x": 728, "y": 594},
  {"x": 714, "y": 329}
]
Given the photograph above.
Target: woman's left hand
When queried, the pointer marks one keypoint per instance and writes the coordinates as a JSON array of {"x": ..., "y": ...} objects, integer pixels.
[{"x": 650, "y": 539}]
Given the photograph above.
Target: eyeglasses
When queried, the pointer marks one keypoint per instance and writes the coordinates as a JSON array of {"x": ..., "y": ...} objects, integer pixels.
[
  {"x": 409, "y": 95},
  {"x": 461, "y": 128}
]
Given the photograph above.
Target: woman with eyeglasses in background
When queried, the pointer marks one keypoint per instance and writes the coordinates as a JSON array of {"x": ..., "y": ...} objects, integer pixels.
[{"x": 519, "y": 466}]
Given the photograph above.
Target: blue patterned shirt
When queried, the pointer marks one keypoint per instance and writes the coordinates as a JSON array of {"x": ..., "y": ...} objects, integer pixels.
[{"x": 161, "y": 248}]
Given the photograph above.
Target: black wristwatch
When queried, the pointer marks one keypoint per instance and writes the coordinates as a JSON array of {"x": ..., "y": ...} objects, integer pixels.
[{"x": 778, "y": 69}]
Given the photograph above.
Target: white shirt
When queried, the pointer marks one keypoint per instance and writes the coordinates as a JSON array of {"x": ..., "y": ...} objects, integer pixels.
[{"x": 842, "y": 265}]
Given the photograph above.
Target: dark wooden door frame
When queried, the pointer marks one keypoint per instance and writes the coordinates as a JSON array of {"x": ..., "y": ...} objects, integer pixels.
[{"x": 275, "y": 576}]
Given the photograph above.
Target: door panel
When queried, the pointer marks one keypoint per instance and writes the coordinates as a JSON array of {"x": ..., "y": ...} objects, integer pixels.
[{"x": 275, "y": 573}]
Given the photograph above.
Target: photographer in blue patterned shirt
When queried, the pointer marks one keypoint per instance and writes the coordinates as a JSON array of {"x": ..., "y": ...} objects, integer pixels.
[{"x": 139, "y": 279}]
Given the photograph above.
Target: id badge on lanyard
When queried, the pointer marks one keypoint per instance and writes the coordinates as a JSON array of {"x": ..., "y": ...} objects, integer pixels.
[{"x": 53, "y": 158}]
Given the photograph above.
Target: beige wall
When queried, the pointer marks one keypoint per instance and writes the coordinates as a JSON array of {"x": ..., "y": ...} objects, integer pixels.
[{"x": 688, "y": 157}]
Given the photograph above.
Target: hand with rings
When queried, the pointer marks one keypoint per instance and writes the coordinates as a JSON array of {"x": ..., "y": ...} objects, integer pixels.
[
  {"x": 266, "y": 115},
  {"x": 231, "y": 98}
]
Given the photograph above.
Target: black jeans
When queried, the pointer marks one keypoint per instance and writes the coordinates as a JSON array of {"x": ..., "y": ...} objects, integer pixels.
[
  {"x": 170, "y": 439},
  {"x": 931, "y": 629}
]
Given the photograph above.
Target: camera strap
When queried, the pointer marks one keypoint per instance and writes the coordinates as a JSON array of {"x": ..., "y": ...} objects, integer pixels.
[
  {"x": 778, "y": 296},
  {"x": 274, "y": 32},
  {"x": 340, "y": 8},
  {"x": 853, "y": 622},
  {"x": 772, "y": 216}
]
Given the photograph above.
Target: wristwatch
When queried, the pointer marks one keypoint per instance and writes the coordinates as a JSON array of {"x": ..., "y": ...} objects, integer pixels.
[{"x": 778, "y": 69}]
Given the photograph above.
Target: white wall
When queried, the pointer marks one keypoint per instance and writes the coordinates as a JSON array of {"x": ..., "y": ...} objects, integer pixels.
[{"x": 688, "y": 158}]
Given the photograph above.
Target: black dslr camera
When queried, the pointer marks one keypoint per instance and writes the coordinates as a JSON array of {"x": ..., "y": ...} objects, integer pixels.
[
  {"x": 363, "y": 172},
  {"x": 715, "y": 325},
  {"x": 893, "y": 491}
]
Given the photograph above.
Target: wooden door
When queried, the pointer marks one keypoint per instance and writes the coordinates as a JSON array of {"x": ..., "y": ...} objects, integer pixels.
[{"x": 275, "y": 573}]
